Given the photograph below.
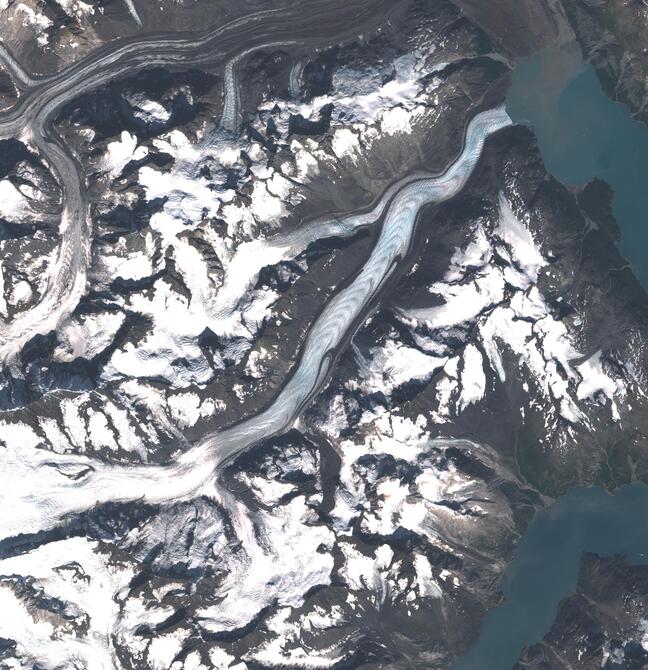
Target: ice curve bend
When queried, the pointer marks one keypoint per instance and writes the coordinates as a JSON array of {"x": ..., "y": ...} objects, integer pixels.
[{"x": 43, "y": 488}]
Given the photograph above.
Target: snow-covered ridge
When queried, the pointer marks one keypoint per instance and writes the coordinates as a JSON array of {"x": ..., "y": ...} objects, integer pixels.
[
  {"x": 226, "y": 302},
  {"x": 508, "y": 313},
  {"x": 44, "y": 488},
  {"x": 213, "y": 547}
]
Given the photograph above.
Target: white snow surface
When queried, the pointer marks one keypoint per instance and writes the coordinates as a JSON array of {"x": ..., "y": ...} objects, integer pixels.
[
  {"x": 88, "y": 336},
  {"x": 76, "y": 8},
  {"x": 596, "y": 380},
  {"x": 473, "y": 379},
  {"x": 520, "y": 240},
  {"x": 120, "y": 152},
  {"x": 78, "y": 574},
  {"x": 13, "y": 204},
  {"x": 283, "y": 575},
  {"x": 395, "y": 364},
  {"x": 147, "y": 110}
]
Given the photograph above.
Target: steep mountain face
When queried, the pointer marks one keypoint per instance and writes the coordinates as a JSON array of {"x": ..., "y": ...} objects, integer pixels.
[{"x": 296, "y": 332}]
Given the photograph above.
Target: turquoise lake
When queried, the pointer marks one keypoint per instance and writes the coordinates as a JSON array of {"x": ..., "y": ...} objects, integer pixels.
[
  {"x": 583, "y": 134},
  {"x": 546, "y": 564}
]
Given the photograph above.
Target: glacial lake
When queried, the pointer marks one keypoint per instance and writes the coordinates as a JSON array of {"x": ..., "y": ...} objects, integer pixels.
[
  {"x": 583, "y": 134},
  {"x": 546, "y": 564}
]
